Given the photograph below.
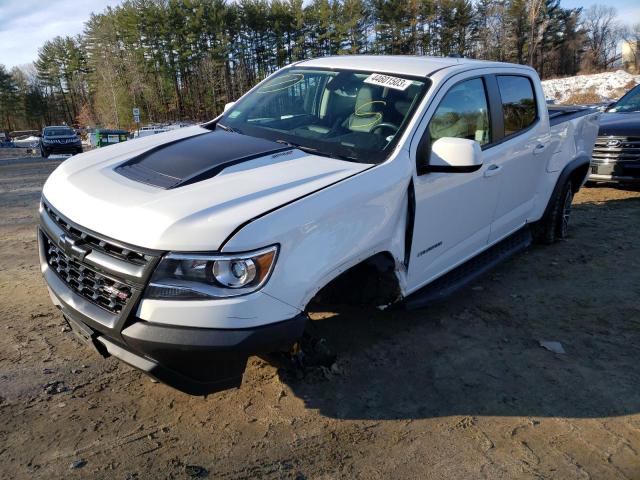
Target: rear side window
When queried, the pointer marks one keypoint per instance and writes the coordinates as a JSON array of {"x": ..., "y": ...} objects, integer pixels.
[
  {"x": 518, "y": 103},
  {"x": 462, "y": 113}
]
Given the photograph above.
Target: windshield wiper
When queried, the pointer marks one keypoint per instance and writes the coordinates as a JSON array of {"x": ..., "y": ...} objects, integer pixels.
[
  {"x": 227, "y": 128},
  {"x": 288, "y": 143},
  {"x": 298, "y": 146},
  {"x": 316, "y": 151}
]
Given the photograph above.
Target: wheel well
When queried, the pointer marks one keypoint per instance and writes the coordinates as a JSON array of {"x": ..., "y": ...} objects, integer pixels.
[
  {"x": 577, "y": 177},
  {"x": 371, "y": 282}
]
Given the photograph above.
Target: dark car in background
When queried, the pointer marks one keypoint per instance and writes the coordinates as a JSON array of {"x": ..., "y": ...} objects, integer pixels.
[
  {"x": 59, "y": 140},
  {"x": 616, "y": 155}
]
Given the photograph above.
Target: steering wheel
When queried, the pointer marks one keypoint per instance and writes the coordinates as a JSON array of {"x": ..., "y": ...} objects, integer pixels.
[{"x": 388, "y": 125}]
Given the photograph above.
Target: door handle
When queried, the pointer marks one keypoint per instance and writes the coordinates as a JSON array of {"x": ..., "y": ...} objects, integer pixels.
[
  {"x": 493, "y": 170},
  {"x": 541, "y": 147}
]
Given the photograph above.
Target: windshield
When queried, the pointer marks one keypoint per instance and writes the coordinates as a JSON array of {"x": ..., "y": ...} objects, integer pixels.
[
  {"x": 630, "y": 102},
  {"x": 356, "y": 116},
  {"x": 58, "y": 132}
]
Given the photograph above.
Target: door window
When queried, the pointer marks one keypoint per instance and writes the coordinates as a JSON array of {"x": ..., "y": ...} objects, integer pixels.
[
  {"x": 462, "y": 113},
  {"x": 518, "y": 103}
]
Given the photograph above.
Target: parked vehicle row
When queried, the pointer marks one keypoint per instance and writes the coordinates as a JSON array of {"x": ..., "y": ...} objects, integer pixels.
[{"x": 64, "y": 140}]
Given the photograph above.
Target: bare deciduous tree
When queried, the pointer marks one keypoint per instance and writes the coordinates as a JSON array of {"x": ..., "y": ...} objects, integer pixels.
[
  {"x": 603, "y": 32},
  {"x": 631, "y": 36},
  {"x": 534, "y": 14}
]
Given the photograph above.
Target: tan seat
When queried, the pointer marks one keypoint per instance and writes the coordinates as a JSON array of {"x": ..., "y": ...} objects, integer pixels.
[
  {"x": 457, "y": 127},
  {"x": 367, "y": 113}
]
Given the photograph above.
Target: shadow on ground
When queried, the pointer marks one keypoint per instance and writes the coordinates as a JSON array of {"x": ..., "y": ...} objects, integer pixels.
[{"x": 478, "y": 353}]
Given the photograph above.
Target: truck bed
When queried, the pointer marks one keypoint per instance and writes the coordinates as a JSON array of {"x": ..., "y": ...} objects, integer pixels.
[
  {"x": 563, "y": 113},
  {"x": 573, "y": 134}
]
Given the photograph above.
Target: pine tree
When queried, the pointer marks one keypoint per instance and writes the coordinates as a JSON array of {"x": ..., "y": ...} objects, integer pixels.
[{"x": 184, "y": 59}]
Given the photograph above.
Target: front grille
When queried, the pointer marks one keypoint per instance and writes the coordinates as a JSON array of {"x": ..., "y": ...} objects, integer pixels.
[
  {"x": 117, "y": 251},
  {"x": 616, "y": 149},
  {"x": 99, "y": 289}
]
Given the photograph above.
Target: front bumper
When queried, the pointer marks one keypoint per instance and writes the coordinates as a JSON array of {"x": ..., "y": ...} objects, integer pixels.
[
  {"x": 62, "y": 148},
  {"x": 197, "y": 361},
  {"x": 616, "y": 172}
]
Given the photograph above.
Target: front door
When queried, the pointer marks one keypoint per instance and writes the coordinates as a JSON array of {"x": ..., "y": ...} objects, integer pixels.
[{"x": 454, "y": 211}]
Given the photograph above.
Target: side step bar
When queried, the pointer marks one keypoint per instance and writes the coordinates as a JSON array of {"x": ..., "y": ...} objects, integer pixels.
[{"x": 469, "y": 271}]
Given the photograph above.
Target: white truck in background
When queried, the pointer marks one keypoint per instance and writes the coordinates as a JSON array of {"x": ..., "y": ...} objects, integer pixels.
[{"x": 184, "y": 253}]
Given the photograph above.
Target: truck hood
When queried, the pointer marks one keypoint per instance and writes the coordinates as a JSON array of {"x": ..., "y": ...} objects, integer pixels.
[
  {"x": 622, "y": 124},
  {"x": 133, "y": 193}
]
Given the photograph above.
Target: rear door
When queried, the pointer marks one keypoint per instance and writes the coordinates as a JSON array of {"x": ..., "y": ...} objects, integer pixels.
[
  {"x": 453, "y": 211},
  {"x": 524, "y": 150}
]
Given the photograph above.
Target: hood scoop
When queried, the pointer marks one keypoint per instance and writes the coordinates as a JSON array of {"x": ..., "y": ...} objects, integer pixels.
[{"x": 193, "y": 159}]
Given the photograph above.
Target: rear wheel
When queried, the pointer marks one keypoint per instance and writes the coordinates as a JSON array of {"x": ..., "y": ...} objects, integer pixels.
[
  {"x": 563, "y": 224},
  {"x": 555, "y": 225}
]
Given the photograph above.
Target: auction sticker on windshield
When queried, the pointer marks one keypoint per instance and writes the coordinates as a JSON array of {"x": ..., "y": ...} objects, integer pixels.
[{"x": 388, "y": 81}]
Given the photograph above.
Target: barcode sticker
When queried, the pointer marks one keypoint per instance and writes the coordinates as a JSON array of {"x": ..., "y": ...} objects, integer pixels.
[{"x": 388, "y": 81}]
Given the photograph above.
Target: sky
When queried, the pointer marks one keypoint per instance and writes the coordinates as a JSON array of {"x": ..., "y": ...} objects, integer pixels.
[
  {"x": 628, "y": 10},
  {"x": 26, "y": 24}
]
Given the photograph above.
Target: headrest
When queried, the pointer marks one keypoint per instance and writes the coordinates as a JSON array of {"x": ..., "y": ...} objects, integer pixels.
[{"x": 365, "y": 103}]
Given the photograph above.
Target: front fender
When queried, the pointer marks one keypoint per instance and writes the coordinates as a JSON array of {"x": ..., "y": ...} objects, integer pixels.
[{"x": 323, "y": 234}]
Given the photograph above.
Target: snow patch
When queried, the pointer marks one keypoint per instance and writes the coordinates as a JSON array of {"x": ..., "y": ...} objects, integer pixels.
[
  {"x": 608, "y": 86},
  {"x": 28, "y": 142}
]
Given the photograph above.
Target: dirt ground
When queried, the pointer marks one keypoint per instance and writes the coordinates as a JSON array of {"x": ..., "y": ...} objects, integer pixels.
[{"x": 461, "y": 390}]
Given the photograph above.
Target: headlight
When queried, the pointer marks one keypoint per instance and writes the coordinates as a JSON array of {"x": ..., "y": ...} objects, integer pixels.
[{"x": 201, "y": 276}]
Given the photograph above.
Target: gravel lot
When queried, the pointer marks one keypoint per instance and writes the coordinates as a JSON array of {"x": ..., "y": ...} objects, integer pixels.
[{"x": 462, "y": 390}]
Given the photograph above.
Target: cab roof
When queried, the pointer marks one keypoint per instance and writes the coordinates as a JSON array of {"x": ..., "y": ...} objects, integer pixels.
[{"x": 418, "y": 66}]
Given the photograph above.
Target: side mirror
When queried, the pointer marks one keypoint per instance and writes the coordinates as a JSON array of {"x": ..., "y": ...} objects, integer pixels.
[
  {"x": 228, "y": 106},
  {"x": 456, "y": 155}
]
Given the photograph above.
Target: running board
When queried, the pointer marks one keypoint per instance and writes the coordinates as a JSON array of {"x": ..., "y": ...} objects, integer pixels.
[{"x": 469, "y": 271}]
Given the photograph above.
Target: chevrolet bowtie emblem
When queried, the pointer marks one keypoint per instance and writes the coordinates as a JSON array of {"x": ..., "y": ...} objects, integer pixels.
[{"x": 73, "y": 248}]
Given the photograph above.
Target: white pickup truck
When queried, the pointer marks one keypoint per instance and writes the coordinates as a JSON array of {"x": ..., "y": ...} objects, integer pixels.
[{"x": 399, "y": 179}]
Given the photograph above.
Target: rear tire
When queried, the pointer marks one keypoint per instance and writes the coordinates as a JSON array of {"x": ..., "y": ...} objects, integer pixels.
[
  {"x": 562, "y": 231},
  {"x": 555, "y": 225}
]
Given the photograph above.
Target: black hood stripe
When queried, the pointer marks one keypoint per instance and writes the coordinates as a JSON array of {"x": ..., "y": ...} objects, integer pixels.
[{"x": 193, "y": 159}]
